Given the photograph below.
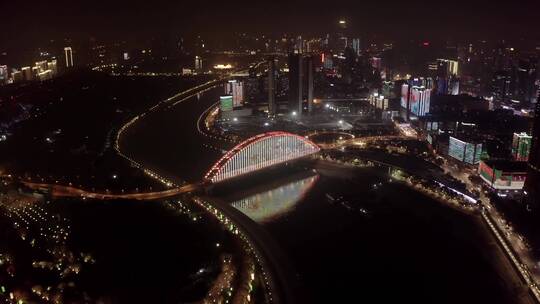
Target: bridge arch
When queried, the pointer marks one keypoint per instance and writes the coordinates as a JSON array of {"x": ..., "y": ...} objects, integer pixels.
[{"x": 258, "y": 152}]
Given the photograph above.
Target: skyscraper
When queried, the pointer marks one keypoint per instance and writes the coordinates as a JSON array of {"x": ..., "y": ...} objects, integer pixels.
[
  {"x": 271, "y": 86},
  {"x": 295, "y": 84},
  {"x": 448, "y": 67},
  {"x": 356, "y": 46},
  {"x": 521, "y": 145},
  {"x": 198, "y": 63},
  {"x": 3, "y": 74},
  {"x": 27, "y": 73},
  {"x": 68, "y": 52},
  {"x": 309, "y": 67},
  {"x": 532, "y": 184},
  {"x": 235, "y": 89},
  {"x": 415, "y": 97}
]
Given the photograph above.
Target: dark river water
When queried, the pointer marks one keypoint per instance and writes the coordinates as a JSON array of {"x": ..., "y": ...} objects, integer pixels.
[{"x": 363, "y": 237}]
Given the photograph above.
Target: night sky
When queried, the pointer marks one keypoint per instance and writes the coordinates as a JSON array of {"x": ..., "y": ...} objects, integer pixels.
[{"x": 413, "y": 18}]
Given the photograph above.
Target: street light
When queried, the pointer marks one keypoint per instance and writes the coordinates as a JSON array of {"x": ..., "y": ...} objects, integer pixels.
[{"x": 294, "y": 113}]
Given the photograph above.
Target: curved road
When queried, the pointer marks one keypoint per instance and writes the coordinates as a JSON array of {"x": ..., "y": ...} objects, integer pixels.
[{"x": 67, "y": 191}]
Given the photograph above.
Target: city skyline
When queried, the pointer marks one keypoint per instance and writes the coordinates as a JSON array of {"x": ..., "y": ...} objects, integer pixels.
[{"x": 397, "y": 19}]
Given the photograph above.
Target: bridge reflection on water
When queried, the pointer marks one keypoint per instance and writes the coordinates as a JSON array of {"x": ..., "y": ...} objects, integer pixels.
[{"x": 268, "y": 205}]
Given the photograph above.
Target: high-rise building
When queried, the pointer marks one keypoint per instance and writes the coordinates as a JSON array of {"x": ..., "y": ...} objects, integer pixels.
[
  {"x": 35, "y": 71},
  {"x": 27, "y": 73},
  {"x": 310, "y": 72},
  {"x": 4, "y": 74},
  {"x": 17, "y": 76},
  {"x": 419, "y": 101},
  {"x": 299, "y": 45},
  {"x": 68, "y": 53},
  {"x": 465, "y": 151},
  {"x": 521, "y": 146},
  {"x": 45, "y": 75},
  {"x": 448, "y": 67},
  {"x": 272, "y": 107},
  {"x": 342, "y": 44},
  {"x": 376, "y": 63},
  {"x": 51, "y": 65},
  {"x": 235, "y": 89},
  {"x": 378, "y": 101},
  {"x": 295, "y": 84},
  {"x": 328, "y": 62},
  {"x": 532, "y": 184},
  {"x": 356, "y": 46},
  {"x": 42, "y": 66},
  {"x": 404, "y": 101},
  {"x": 198, "y": 63},
  {"x": 524, "y": 80},
  {"x": 501, "y": 86},
  {"x": 416, "y": 98}
]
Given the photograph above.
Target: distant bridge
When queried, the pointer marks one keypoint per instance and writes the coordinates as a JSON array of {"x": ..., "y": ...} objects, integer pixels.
[{"x": 259, "y": 152}]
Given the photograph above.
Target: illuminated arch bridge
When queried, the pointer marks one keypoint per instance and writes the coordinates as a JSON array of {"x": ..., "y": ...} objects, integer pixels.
[{"x": 259, "y": 152}]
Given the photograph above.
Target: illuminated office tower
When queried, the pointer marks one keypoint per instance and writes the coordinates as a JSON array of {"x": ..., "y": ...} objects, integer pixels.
[
  {"x": 419, "y": 101},
  {"x": 467, "y": 151},
  {"x": 272, "y": 86},
  {"x": 521, "y": 146},
  {"x": 376, "y": 63},
  {"x": 45, "y": 75},
  {"x": 3, "y": 74},
  {"x": 52, "y": 65},
  {"x": 356, "y": 46},
  {"x": 404, "y": 101},
  {"x": 309, "y": 66},
  {"x": 198, "y": 63},
  {"x": 17, "y": 76},
  {"x": 342, "y": 44},
  {"x": 532, "y": 184},
  {"x": 27, "y": 73},
  {"x": 448, "y": 67},
  {"x": 68, "y": 53},
  {"x": 236, "y": 90},
  {"x": 415, "y": 99},
  {"x": 41, "y": 66},
  {"x": 299, "y": 45},
  {"x": 327, "y": 61},
  {"x": 453, "y": 85},
  {"x": 35, "y": 71},
  {"x": 295, "y": 84}
]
